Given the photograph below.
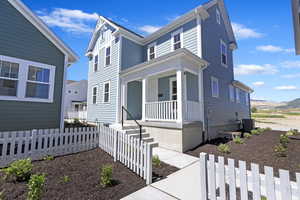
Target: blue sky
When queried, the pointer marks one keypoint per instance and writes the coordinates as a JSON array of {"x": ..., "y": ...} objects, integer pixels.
[{"x": 265, "y": 59}]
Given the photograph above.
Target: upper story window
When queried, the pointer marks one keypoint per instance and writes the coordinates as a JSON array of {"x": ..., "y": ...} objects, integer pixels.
[
  {"x": 95, "y": 94},
  {"x": 23, "y": 80},
  {"x": 231, "y": 93},
  {"x": 247, "y": 98},
  {"x": 107, "y": 56},
  {"x": 96, "y": 63},
  {"x": 214, "y": 87},
  {"x": 106, "y": 92},
  {"x": 151, "y": 51},
  {"x": 237, "y": 95},
  {"x": 177, "y": 39},
  {"x": 218, "y": 16},
  {"x": 223, "y": 48}
]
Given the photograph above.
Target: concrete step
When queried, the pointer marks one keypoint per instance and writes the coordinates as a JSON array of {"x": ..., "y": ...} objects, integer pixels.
[
  {"x": 133, "y": 131},
  {"x": 148, "y": 139},
  {"x": 144, "y": 135},
  {"x": 127, "y": 127}
]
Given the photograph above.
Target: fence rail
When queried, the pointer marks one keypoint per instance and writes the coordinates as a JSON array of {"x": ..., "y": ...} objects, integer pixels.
[
  {"x": 37, "y": 144},
  {"x": 220, "y": 181},
  {"x": 162, "y": 110}
]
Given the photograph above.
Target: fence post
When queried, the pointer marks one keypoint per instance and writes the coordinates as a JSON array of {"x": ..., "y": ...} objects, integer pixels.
[
  {"x": 203, "y": 176},
  {"x": 115, "y": 145},
  {"x": 149, "y": 164}
]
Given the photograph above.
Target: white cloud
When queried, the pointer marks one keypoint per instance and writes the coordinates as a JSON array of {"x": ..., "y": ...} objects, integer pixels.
[
  {"x": 273, "y": 49},
  {"x": 75, "y": 21},
  {"x": 258, "y": 83},
  {"x": 255, "y": 69},
  {"x": 286, "y": 87},
  {"x": 291, "y": 64},
  {"x": 149, "y": 29},
  {"x": 297, "y": 75},
  {"x": 243, "y": 32}
]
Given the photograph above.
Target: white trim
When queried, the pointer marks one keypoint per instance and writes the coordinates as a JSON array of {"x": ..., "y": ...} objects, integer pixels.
[
  {"x": 178, "y": 31},
  {"x": 171, "y": 80},
  {"x": 214, "y": 79},
  {"x": 105, "y": 49},
  {"x": 109, "y": 91},
  {"x": 199, "y": 36},
  {"x": 23, "y": 79},
  {"x": 119, "y": 88},
  {"x": 98, "y": 64},
  {"x": 43, "y": 28},
  {"x": 148, "y": 50},
  {"x": 63, "y": 96},
  {"x": 97, "y": 94},
  {"x": 221, "y": 53},
  {"x": 218, "y": 16}
]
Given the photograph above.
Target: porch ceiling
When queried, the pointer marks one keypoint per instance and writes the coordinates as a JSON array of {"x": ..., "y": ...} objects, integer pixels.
[{"x": 172, "y": 61}]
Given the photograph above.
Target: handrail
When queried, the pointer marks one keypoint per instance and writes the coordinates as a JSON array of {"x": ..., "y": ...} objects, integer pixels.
[{"x": 140, "y": 126}]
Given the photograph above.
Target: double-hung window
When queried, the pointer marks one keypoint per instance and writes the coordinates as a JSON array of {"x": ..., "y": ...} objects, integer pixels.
[
  {"x": 247, "y": 98},
  {"x": 95, "y": 94},
  {"x": 107, "y": 56},
  {"x": 177, "y": 39},
  {"x": 96, "y": 63},
  {"x": 223, "y": 49},
  {"x": 9, "y": 74},
  {"x": 38, "y": 82},
  {"x": 215, "y": 87},
  {"x": 231, "y": 93},
  {"x": 218, "y": 16},
  {"x": 106, "y": 92},
  {"x": 237, "y": 95},
  {"x": 151, "y": 51}
]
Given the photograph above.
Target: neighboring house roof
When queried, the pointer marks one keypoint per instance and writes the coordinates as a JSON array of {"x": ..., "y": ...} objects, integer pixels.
[
  {"x": 296, "y": 20},
  {"x": 202, "y": 10},
  {"x": 72, "y": 82},
  {"x": 242, "y": 86},
  {"x": 44, "y": 29}
]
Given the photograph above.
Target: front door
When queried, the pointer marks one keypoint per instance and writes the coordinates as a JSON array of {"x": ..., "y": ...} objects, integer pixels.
[{"x": 173, "y": 88}]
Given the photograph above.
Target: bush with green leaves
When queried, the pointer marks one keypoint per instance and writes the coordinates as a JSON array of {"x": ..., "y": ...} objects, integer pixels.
[
  {"x": 238, "y": 140},
  {"x": 48, "y": 158},
  {"x": 247, "y": 135},
  {"x": 36, "y": 186},
  {"x": 267, "y": 129},
  {"x": 65, "y": 179},
  {"x": 284, "y": 139},
  {"x": 292, "y": 132},
  {"x": 106, "y": 173},
  {"x": 280, "y": 150},
  {"x": 255, "y": 132},
  {"x": 224, "y": 148},
  {"x": 2, "y": 195},
  {"x": 156, "y": 161},
  {"x": 254, "y": 110},
  {"x": 19, "y": 170}
]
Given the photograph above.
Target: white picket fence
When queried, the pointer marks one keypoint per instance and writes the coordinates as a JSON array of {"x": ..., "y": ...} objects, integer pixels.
[
  {"x": 129, "y": 150},
  {"x": 220, "y": 181},
  {"x": 37, "y": 144}
]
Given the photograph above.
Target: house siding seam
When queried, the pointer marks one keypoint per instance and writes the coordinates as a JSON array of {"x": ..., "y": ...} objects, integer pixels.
[{"x": 21, "y": 39}]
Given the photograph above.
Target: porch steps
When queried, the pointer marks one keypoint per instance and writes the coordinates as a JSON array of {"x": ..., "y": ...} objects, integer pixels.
[{"x": 134, "y": 131}]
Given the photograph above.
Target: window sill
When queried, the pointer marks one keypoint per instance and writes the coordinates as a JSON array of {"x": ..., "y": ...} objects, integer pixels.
[{"x": 11, "y": 98}]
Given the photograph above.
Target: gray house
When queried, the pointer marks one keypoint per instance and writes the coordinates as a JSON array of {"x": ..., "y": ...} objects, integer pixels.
[
  {"x": 33, "y": 67},
  {"x": 178, "y": 81}
]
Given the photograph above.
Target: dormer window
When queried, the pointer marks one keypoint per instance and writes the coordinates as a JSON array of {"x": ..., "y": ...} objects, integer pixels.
[
  {"x": 107, "y": 56},
  {"x": 218, "y": 16},
  {"x": 151, "y": 51},
  {"x": 96, "y": 63},
  {"x": 177, "y": 39}
]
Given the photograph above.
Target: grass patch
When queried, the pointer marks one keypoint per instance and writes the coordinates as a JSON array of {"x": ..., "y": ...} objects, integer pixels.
[
  {"x": 265, "y": 115},
  {"x": 292, "y": 113}
]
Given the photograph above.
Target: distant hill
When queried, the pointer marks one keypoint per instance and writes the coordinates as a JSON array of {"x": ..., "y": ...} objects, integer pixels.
[
  {"x": 290, "y": 105},
  {"x": 263, "y": 104}
]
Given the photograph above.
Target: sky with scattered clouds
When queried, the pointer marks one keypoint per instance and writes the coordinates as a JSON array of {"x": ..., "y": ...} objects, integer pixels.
[{"x": 265, "y": 59}]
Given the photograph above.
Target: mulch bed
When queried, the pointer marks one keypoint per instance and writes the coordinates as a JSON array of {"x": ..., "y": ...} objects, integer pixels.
[
  {"x": 83, "y": 171},
  {"x": 259, "y": 149}
]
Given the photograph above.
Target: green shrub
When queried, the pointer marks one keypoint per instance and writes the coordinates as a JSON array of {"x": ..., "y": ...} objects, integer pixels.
[
  {"x": 267, "y": 129},
  {"x": 66, "y": 179},
  {"x": 280, "y": 150},
  {"x": 238, "y": 140},
  {"x": 106, "y": 175},
  {"x": 19, "y": 170},
  {"x": 292, "y": 132},
  {"x": 224, "y": 148},
  {"x": 255, "y": 132},
  {"x": 156, "y": 161},
  {"x": 2, "y": 195},
  {"x": 36, "y": 186},
  {"x": 253, "y": 109},
  {"x": 48, "y": 158},
  {"x": 247, "y": 135},
  {"x": 284, "y": 140},
  {"x": 263, "y": 198}
]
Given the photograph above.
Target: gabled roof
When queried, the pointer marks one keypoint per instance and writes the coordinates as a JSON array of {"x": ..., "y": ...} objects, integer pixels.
[
  {"x": 202, "y": 10},
  {"x": 43, "y": 28}
]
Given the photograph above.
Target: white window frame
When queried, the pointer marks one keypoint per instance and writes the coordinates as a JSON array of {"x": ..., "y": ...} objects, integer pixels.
[
  {"x": 247, "y": 98},
  {"x": 148, "y": 51},
  {"x": 214, "y": 79},
  {"x": 226, "y": 53},
  {"x": 218, "y": 16},
  {"x": 171, "y": 88},
  {"x": 96, "y": 95},
  {"x": 94, "y": 63},
  {"x": 108, "y": 46},
  {"x": 237, "y": 95},
  {"x": 23, "y": 79},
  {"x": 231, "y": 93},
  {"x": 103, "y": 91},
  {"x": 179, "y": 31}
]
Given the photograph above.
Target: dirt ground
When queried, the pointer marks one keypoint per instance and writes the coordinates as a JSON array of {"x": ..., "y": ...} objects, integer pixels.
[
  {"x": 83, "y": 169},
  {"x": 282, "y": 124},
  {"x": 259, "y": 149}
]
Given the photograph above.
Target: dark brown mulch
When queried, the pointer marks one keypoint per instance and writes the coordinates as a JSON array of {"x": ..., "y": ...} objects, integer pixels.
[
  {"x": 259, "y": 149},
  {"x": 83, "y": 171}
]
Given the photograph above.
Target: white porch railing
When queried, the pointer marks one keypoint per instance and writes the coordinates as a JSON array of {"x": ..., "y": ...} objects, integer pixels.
[
  {"x": 193, "y": 111},
  {"x": 162, "y": 110},
  {"x": 81, "y": 115}
]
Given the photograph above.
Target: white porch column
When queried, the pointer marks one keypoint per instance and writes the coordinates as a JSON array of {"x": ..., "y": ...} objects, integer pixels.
[
  {"x": 124, "y": 100},
  {"x": 144, "y": 98},
  {"x": 180, "y": 95}
]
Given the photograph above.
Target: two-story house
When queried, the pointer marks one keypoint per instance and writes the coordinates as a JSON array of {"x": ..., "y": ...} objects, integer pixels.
[{"x": 178, "y": 81}]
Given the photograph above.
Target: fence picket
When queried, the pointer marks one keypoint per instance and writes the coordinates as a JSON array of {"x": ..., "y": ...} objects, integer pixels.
[
  {"x": 285, "y": 186},
  {"x": 298, "y": 185},
  {"x": 243, "y": 180},
  {"x": 270, "y": 184},
  {"x": 232, "y": 179},
  {"x": 221, "y": 172},
  {"x": 212, "y": 178},
  {"x": 255, "y": 181}
]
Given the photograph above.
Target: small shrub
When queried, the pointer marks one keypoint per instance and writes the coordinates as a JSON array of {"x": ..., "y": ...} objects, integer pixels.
[
  {"x": 2, "y": 195},
  {"x": 48, "y": 158},
  {"x": 224, "y": 148},
  {"x": 267, "y": 129},
  {"x": 292, "y": 132},
  {"x": 19, "y": 170},
  {"x": 255, "y": 132},
  {"x": 106, "y": 175},
  {"x": 36, "y": 186},
  {"x": 280, "y": 150},
  {"x": 247, "y": 135},
  {"x": 238, "y": 140},
  {"x": 263, "y": 198},
  {"x": 254, "y": 110},
  {"x": 156, "y": 161},
  {"x": 66, "y": 179},
  {"x": 284, "y": 139}
]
